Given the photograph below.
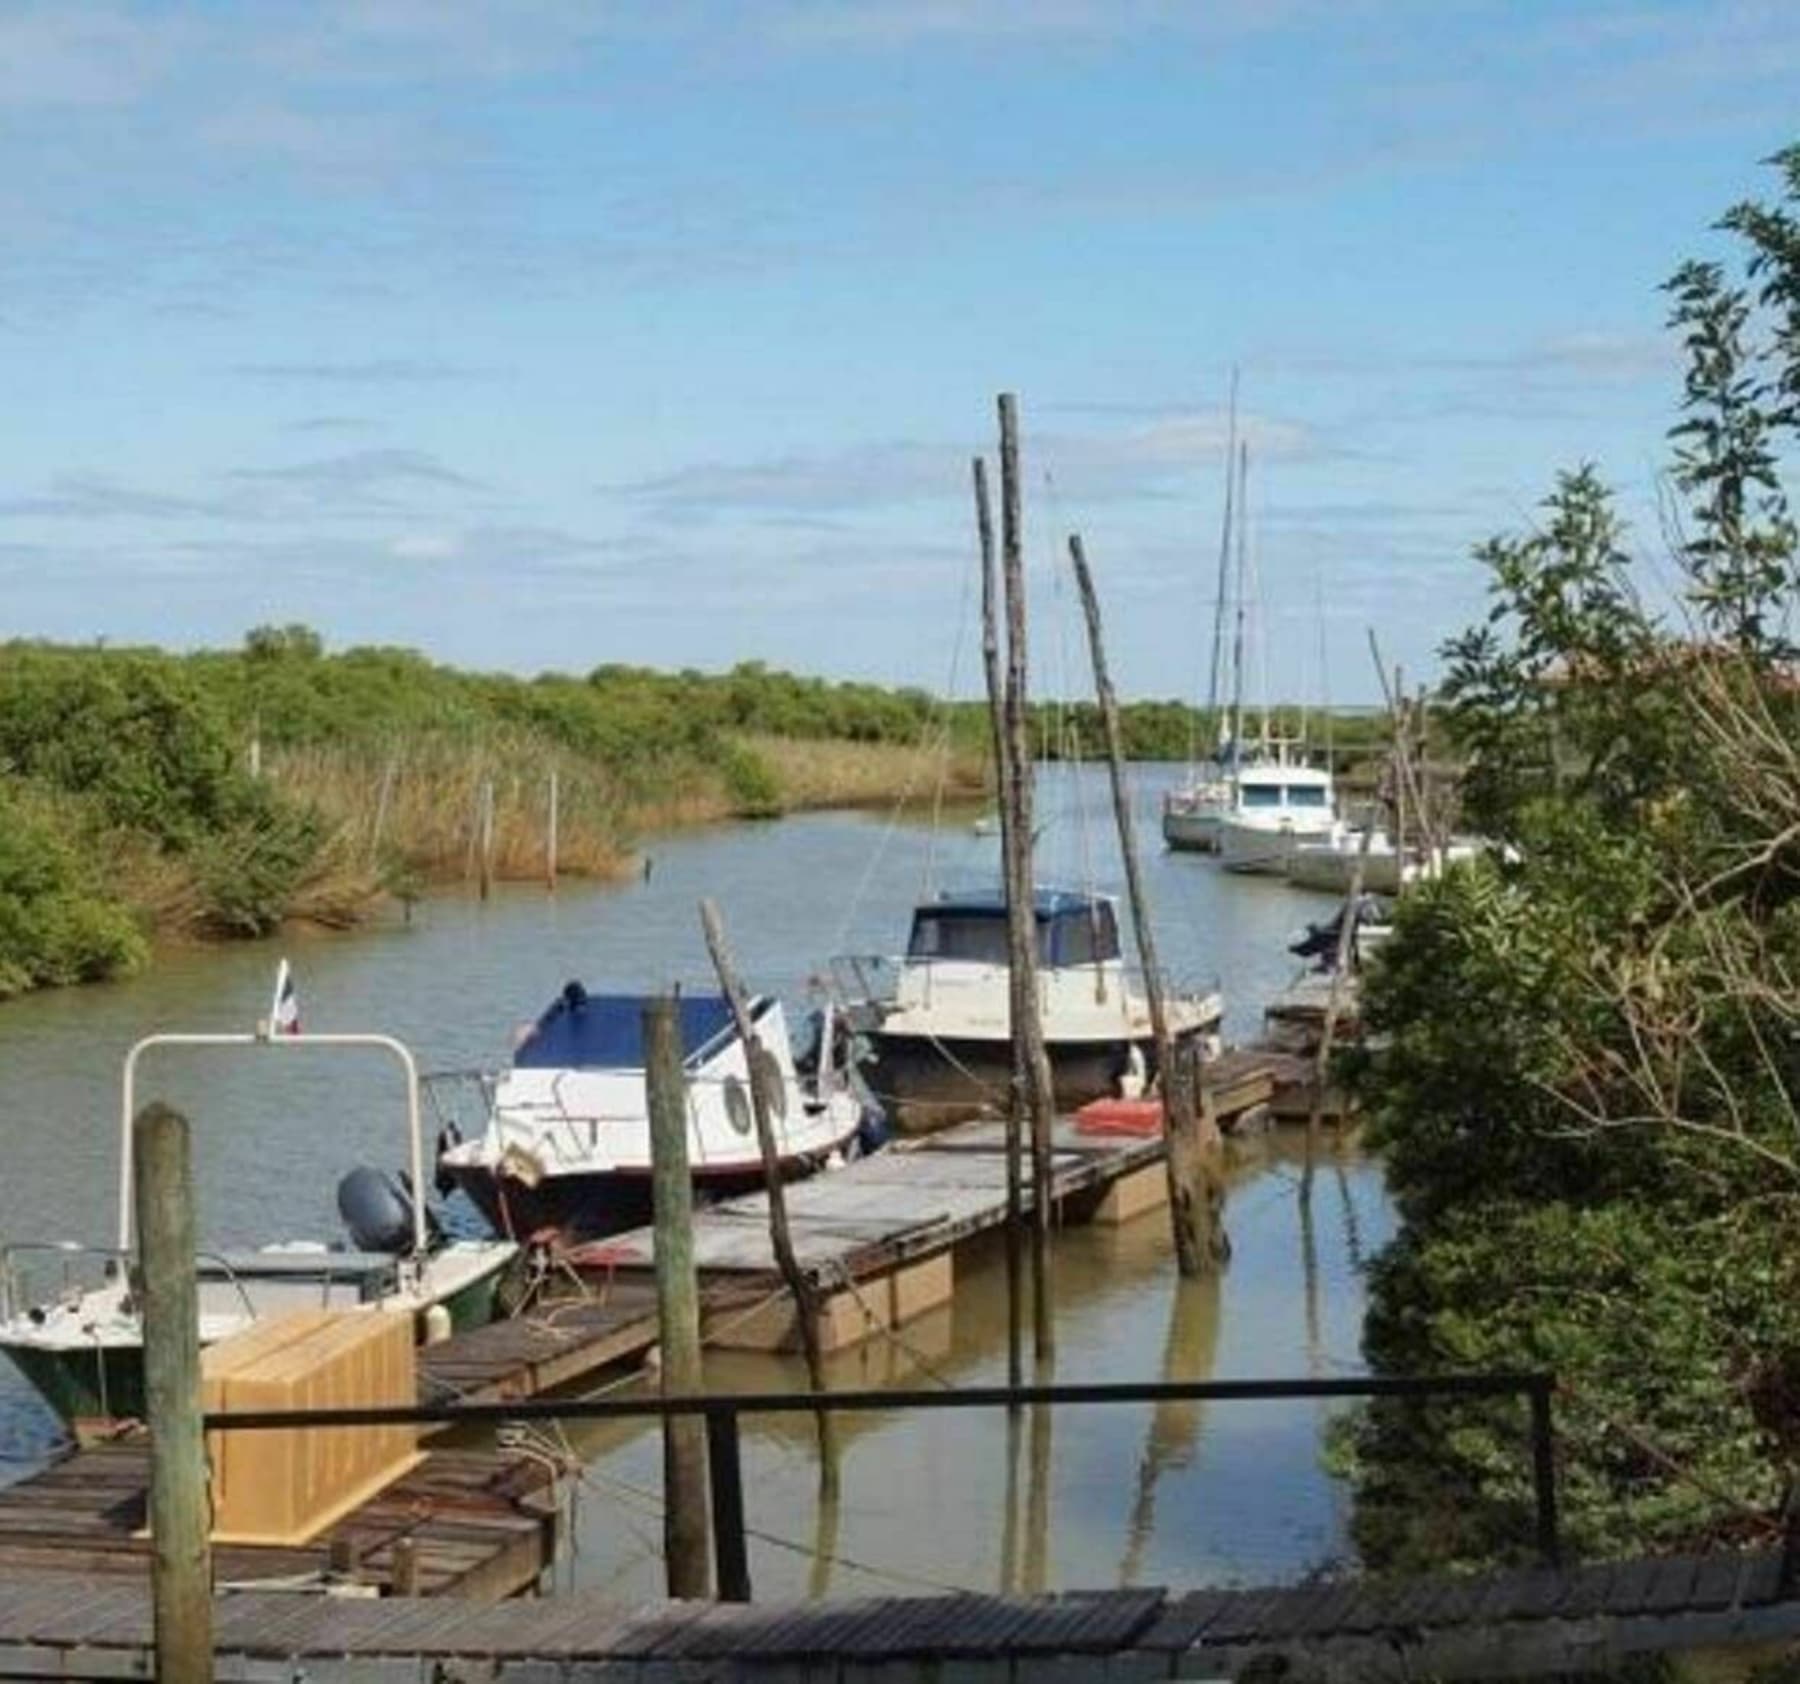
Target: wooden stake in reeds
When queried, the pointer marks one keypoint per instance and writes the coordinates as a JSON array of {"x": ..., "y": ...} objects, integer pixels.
[
  {"x": 382, "y": 802},
  {"x": 996, "y": 689},
  {"x": 168, "y": 1290},
  {"x": 1196, "y": 1187},
  {"x": 550, "y": 818},
  {"x": 1034, "y": 1093},
  {"x": 487, "y": 837},
  {"x": 800, "y": 1287},
  {"x": 685, "y": 1512}
]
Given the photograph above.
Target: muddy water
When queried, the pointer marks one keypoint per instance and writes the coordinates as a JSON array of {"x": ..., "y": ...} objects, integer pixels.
[{"x": 1175, "y": 1495}]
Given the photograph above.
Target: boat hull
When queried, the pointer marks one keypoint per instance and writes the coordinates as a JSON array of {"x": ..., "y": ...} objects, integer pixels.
[
  {"x": 1191, "y": 832},
  {"x": 925, "y": 1082},
  {"x": 95, "y": 1389},
  {"x": 1264, "y": 850}
]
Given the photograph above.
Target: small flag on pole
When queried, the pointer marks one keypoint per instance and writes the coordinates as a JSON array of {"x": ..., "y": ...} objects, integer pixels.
[{"x": 284, "y": 1011}]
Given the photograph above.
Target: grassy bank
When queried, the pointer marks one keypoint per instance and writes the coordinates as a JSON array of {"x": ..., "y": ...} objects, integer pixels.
[{"x": 145, "y": 795}]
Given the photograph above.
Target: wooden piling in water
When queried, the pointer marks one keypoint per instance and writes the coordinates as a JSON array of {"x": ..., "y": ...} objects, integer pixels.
[
  {"x": 1033, "y": 1091},
  {"x": 799, "y": 1284},
  {"x": 180, "y": 1518},
  {"x": 685, "y": 1541},
  {"x": 1196, "y": 1181},
  {"x": 996, "y": 690}
]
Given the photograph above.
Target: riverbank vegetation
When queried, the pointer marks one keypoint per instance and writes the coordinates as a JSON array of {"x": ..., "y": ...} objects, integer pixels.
[
  {"x": 148, "y": 795},
  {"x": 1588, "y": 1088}
]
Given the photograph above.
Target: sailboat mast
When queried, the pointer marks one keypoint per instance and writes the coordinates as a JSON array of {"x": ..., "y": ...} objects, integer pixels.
[
  {"x": 1219, "y": 605},
  {"x": 1237, "y": 640}
]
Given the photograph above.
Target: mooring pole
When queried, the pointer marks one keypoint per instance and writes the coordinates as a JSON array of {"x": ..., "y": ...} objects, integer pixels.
[
  {"x": 763, "y": 1070},
  {"x": 550, "y": 834},
  {"x": 180, "y": 1519},
  {"x": 1196, "y": 1187},
  {"x": 685, "y": 1543},
  {"x": 996, "y": 689},
  {"x": 1036, "y": 1092},
  {"x": 487, "y": 838}
]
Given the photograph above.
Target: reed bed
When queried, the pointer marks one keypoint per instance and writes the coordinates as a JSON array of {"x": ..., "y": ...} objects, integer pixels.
[{"x": 414, "y": 813}]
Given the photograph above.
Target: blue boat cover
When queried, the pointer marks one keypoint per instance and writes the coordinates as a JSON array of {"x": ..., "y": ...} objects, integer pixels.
[{"x": 583, "y": 1031}]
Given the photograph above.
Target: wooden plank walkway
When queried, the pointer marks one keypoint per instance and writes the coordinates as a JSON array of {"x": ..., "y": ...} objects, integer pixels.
[
  {"x": 1537, "y": 1620},
  {"x": 545, "y": 1347},
  {"x": 482, "y": 1525},
  {"x": 919, "y": 1197}
]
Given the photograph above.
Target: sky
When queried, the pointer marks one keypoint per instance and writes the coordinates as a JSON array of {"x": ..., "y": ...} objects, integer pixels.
[{"x": 537, "y": 336}]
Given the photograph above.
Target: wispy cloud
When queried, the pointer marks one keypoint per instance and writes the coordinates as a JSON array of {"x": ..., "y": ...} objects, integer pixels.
[
  {"x": 365, "y": 371},
  {"x": 98, "y": 497},
  {"x": 1135, "y": 461}
]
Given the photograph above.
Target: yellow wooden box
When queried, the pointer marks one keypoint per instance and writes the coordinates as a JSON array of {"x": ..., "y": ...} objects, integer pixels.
[{"x": 287, "y": 1485}]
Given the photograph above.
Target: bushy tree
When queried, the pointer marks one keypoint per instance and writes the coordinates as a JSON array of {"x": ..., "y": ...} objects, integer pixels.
[{"x": 1588, "y": 1082}]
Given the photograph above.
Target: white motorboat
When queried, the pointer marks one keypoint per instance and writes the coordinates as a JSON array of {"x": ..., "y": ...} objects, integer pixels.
[
  {"x": 938, "y": 1020},
  {"x": 565, "y": 1144},
  {"x": 1276, "y": 807},
  {"x": 1331, "y": 864},
  {"x": 69, "y": 1318}
]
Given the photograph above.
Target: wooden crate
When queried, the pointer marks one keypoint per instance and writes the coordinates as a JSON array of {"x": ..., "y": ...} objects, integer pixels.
[{"x": 285, "y": 1486}]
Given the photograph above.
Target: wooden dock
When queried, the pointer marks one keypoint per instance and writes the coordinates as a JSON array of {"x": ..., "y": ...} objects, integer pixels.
[
  {"x": 477, "y": 1524},
  {"x": 879, "y": 1237},
  {"x": 1516, "y": 1624}
]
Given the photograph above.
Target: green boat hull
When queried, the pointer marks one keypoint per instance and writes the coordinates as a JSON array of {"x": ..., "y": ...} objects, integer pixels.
[{"x": 93, "y": 1390}]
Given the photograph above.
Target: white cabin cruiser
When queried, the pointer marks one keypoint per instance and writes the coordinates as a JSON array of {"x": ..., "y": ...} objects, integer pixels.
[
  {"x": 1193, "y": 815},
  {"x": 938, "y": 1021},
  {"x": 565, "y": 1147},
  {"x": 69, "y": 1316},
  {"x": 1276, "y": 806}
]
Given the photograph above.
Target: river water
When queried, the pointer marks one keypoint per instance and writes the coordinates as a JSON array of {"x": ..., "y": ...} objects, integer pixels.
[{"x": 1087, "y": 1496}]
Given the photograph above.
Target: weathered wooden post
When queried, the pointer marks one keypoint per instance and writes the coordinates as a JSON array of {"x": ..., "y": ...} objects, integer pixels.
[
  {"x": 996, "y": 690},
  {"x": 180, "y": 1510},
  {"x": 1345, "y": 957},
  {"x": 685, "y": 1542},
  {"x": 1196, "y": 1187},
  {"x": 1036, "y": 1094},
  {"x": 800, "y": 1287},
  {"x": 487, "y": 837},
  {"x": 389, "y": 772},
  {"x": 550, "y": 818}
]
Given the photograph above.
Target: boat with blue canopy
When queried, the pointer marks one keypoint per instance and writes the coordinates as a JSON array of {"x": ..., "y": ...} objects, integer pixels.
[{"x": 564, "y": 1147}]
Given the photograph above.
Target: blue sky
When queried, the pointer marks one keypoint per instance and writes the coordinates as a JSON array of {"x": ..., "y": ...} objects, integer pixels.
[{"x": 539, "y": 335}]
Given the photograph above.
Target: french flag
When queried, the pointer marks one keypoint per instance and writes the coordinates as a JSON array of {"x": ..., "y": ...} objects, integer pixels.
[{"x": 284, "y": 1011}]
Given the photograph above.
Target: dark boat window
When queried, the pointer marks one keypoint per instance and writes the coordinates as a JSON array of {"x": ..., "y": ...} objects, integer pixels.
[
  {"x": 958, "y": 935},
  {"x": 1084, "y": 936},
  {"x": 1305, "y": 795},
  {"x": 1076, "y": 935}
]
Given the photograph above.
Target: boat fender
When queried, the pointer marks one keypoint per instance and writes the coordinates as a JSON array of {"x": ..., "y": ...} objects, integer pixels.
[{"x": 437, "y": 1324}]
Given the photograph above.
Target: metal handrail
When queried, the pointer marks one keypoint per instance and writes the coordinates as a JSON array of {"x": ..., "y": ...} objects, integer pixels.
[{"x": 720, "y": 1411}]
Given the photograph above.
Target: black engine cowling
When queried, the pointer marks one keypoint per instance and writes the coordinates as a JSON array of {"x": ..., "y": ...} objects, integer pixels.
[{"x": 377, "y": 1212}]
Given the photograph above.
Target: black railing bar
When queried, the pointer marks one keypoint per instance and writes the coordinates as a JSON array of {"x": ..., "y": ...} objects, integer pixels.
[{"x": 965, "y": 1397}]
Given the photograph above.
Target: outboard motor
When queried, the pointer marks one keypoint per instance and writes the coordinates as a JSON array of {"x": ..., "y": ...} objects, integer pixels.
[{"x": 377, "y": 1212}]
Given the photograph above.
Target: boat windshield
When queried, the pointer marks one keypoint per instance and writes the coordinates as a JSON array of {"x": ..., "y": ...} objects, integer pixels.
[
  {"x": 1260, "y": 795},
  {"x": 1073, "y": 935},
  {"x": 1305, "y": 795}
]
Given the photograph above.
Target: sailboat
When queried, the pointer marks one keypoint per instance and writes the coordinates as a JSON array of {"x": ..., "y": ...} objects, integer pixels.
[{"x": 1193, "y": 814}]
